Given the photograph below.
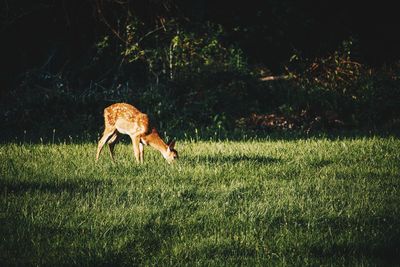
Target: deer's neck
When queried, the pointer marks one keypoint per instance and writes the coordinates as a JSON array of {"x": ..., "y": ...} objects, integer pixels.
[{"x": 155, "y": 141}]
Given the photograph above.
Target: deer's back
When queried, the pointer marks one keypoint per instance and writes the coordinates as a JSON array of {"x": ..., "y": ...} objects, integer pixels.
[{"x": 127, "y": 113}]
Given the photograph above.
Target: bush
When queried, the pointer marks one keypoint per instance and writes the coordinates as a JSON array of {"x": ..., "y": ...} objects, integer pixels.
[{"x": 193, "y": 82}]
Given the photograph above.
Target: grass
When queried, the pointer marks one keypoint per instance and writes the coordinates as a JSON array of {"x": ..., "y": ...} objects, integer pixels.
[{"x": 297, "y": 202}]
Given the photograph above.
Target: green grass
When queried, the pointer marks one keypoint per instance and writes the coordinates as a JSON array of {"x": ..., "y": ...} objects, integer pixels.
[{"x": 298, "y": 202}]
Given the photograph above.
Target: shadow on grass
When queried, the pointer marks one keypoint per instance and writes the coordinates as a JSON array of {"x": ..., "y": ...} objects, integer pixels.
[
  {"x": 57, "y": 185},
  {"x": 320, "y": 163},
  {"x": 233, "y": 159},
  {"x": 373, "y": 239},
  {"x": 50, "y": 244}
]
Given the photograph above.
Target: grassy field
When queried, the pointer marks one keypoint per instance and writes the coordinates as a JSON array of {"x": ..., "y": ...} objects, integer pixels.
[{"x": 298, "y": 202}]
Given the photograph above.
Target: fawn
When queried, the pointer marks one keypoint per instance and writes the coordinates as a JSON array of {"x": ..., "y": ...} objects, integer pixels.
[{"x": 122, "y": 118}]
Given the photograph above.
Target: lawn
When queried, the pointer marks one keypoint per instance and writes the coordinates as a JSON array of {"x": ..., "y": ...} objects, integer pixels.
[{"x": 297, "y": 202}]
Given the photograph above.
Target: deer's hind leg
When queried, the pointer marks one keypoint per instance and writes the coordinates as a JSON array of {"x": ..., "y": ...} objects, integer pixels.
[
  {"x": 111, "y": 144},
  {"x": 108, "y": 132}
]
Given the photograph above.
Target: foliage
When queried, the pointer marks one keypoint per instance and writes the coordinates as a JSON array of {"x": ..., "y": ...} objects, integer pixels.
[
  {"x": 336, "y": 92},
  {"x": 195, "y": 75}
]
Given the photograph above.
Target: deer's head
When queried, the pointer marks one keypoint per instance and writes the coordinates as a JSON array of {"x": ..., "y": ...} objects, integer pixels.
[{"x": 171, "y": 154}]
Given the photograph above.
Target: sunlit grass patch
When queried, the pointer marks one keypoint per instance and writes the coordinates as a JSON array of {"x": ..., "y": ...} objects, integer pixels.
[{"x": 298, "y": 202}]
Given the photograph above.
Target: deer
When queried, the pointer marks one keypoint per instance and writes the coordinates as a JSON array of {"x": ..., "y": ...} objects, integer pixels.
[{"x": 123, "y": 118}]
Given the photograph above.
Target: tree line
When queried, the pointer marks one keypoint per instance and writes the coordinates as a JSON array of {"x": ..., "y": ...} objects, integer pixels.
[{"x": 217, "y": 66}]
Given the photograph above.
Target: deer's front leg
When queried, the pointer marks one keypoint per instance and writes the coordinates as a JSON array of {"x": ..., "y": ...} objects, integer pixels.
[
  {"x": 136, "y": 142},
  {"x": 141, "y": 152}
]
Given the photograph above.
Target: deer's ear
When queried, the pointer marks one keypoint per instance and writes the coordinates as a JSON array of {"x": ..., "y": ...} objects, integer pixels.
[{"x": 171, "y": 144}]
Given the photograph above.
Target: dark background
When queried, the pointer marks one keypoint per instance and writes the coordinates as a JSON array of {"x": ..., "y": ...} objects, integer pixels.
[{"x": 53, "y": 75}]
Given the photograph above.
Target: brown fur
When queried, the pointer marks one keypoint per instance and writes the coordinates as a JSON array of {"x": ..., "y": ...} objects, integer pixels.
[{"x": 122, "y": 118}]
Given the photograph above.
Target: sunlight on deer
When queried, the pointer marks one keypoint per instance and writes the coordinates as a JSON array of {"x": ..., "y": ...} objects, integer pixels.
[{"x": 122, "y": 118}]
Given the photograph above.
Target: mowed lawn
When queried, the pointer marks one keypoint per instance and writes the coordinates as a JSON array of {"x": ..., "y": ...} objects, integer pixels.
[{"x": 266, "y": 202}]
